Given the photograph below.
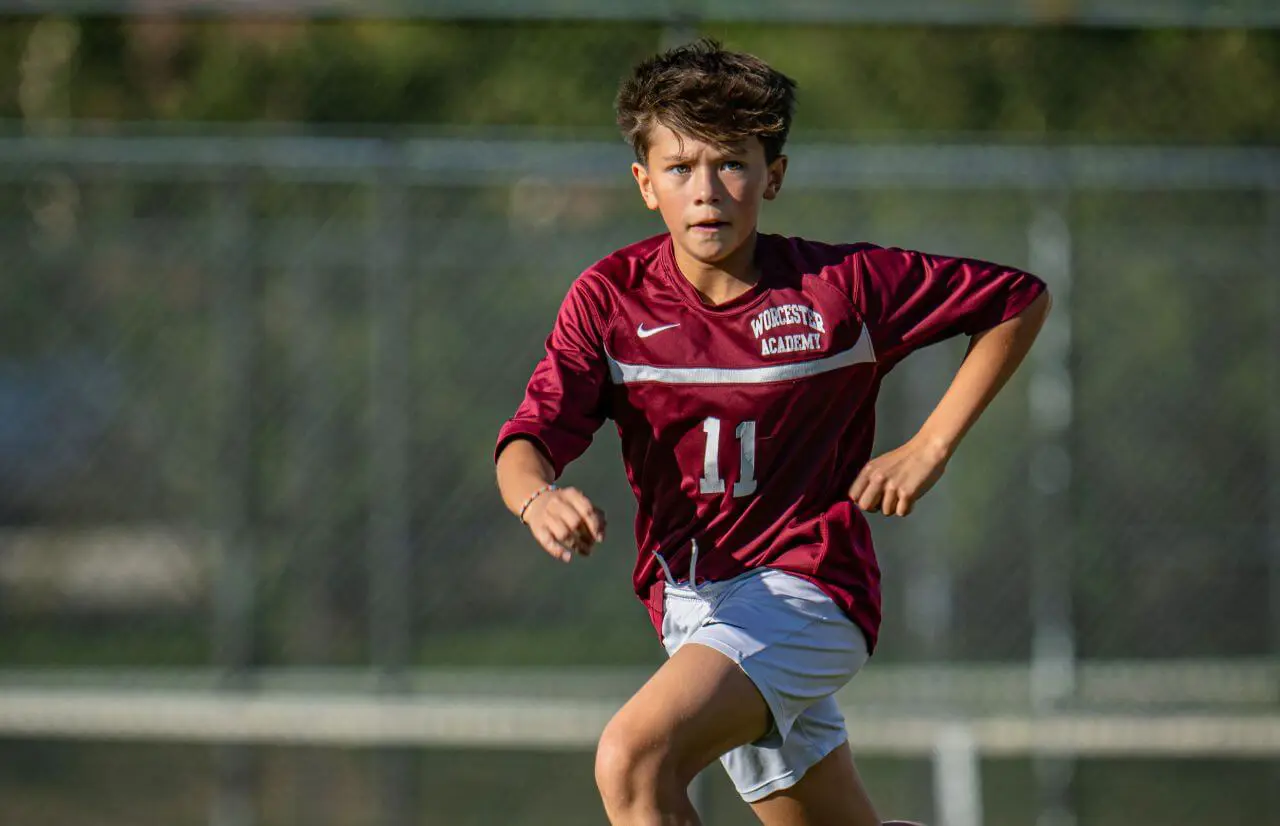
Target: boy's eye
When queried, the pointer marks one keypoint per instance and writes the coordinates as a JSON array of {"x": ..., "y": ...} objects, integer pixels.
[
  {"x": 679, "y": 169},
  {"x": 733, "y": 166}
]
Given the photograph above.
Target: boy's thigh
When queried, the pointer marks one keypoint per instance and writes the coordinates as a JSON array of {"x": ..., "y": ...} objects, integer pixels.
[
  {"x": 830, "y": 792},
  {"x": 764, "y": 767},
  {"x": 798, "y": 648},
  {"x": 696, "y": 706},
  {"x": 793, "y": 642}
]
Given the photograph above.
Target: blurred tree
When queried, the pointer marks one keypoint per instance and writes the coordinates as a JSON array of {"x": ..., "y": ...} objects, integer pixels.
[{"x": 1079, "y": 84}]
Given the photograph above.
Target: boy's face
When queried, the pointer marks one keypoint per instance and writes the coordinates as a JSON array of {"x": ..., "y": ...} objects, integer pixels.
[{"x": 709, "y": 196}]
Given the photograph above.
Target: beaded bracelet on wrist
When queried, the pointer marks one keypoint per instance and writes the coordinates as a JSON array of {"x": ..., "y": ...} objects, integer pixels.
[{"x": 534, "y": 496}]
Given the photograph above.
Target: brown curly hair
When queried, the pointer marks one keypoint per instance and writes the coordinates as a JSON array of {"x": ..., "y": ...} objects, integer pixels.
[{"x": 706, "y": 92}]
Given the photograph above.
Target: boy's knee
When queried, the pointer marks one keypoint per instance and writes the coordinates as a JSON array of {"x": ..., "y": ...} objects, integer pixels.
[{"x": 630, "y": 768}]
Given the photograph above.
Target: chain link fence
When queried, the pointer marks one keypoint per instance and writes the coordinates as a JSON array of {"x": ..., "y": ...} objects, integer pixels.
[
  {"x": 180, "y": 349},
  {"x": 250, "y": 377}
]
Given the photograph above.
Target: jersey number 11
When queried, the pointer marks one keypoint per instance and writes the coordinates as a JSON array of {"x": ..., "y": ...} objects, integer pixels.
[{"x": 712, "y": 481}]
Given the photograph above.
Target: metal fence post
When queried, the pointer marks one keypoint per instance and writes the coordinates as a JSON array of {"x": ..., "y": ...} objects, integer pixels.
[
  {"x": 237, "y": 346},
  {"x": 957, "y": 782},
  {"x": 1051, "y": 414},
  {"x": 1271, "y": 259},
  {"x": 391, "y": 551},
  {"x": 312, "y": 492}
]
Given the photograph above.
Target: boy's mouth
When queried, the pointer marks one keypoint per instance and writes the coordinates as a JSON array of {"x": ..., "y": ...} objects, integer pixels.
[{"x": 710, "y": 225}]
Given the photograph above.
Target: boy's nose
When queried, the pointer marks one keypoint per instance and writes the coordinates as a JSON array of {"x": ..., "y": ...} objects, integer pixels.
[{"x": 707, "y": 192}]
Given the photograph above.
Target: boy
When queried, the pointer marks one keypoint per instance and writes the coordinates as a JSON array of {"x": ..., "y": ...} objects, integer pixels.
[{"x": 741, "y": 370}]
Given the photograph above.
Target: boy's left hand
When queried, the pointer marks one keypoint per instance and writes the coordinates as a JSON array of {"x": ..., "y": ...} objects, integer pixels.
[{"x": 891, "y": 483}]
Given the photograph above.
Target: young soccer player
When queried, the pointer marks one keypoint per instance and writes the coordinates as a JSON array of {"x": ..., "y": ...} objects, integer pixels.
[{"x": 741, "y": 370}]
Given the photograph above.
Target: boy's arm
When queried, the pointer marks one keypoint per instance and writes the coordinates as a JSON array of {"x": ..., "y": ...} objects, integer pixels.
[
  {"x": 892, "y": 482},
  {"x": 522, "y": 470},
  {"x": 563, "y": 520},
  {"x": 565, "y": 403}
]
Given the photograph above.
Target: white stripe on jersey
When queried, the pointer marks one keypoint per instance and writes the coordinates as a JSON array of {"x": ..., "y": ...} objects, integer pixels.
[{"x": 860, "y": 353}]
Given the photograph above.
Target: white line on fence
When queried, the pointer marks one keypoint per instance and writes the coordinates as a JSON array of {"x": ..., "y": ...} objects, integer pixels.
[
  {"x": 548, "y": 723},
  {"x": 502, "y": 162}
]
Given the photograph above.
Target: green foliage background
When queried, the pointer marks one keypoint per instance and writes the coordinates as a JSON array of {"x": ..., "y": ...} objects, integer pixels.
[{"x": 1159, "y": 86}]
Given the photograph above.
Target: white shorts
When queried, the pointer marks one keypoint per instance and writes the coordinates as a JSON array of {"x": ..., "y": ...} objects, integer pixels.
[{"x": 795, "y": 644}]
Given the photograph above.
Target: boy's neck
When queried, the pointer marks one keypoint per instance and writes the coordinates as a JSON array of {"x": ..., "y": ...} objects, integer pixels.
[{"x": 724, "y": 280}]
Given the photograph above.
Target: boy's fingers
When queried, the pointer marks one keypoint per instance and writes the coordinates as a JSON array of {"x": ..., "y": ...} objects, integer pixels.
[
  {"x": 551, "y": 546},
  {"x": 561, "y": 529},
  {"x": 889, "y": 501},
  {"x": 572, "y": 533},
  {"x": 871, "y": 495},
  {"x": 588, "y": 512},
  {"x": 859, "y": 485},
  {"x": 564, "y": 522},
  {"x": 583, "y": 540},
  {"x": 569, "y": 524}
]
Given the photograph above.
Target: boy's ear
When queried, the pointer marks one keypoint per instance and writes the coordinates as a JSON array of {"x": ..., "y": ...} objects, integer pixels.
[
  {"x": 641, "y": 174},
  {"x": 777, "y": 171}
]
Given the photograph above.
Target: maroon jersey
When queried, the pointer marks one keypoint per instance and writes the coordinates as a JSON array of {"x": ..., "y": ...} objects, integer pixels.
[{"x": 744, "y": 424}]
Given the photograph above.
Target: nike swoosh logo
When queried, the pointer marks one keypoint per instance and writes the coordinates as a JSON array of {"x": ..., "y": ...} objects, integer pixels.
[{"x": 643, "y": 333}]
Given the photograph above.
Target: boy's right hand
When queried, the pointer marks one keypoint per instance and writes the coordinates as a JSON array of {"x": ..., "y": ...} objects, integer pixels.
[{"x": 565, "y": 522}]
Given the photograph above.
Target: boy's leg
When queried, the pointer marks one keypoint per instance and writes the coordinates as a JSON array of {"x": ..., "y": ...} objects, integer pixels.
[
  {"x": 829, "y": 793},
  {"x": 697, "y": 706}
]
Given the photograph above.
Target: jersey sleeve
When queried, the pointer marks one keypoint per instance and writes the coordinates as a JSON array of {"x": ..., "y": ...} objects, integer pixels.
[
  {"x": 566, "y": 399},
  {"x": 912, "y": 299}
]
